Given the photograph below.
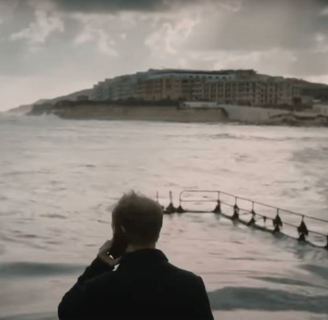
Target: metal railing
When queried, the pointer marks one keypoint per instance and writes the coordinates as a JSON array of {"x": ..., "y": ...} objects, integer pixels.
[{"x": 302, "y": 229}]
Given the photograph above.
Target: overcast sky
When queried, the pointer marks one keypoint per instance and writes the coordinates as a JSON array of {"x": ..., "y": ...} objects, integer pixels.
[{"x": 53, "y": 47}]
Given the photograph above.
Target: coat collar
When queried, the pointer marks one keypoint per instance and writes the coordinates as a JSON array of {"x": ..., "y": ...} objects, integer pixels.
[{"x": 147, "y": 255}]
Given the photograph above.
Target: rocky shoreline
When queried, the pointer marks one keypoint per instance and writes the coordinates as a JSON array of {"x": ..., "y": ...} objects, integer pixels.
[{"x": 171, "y": 111}]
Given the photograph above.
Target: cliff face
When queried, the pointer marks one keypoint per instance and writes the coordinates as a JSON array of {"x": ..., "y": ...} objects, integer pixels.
[{"x": 131, "y": 112}]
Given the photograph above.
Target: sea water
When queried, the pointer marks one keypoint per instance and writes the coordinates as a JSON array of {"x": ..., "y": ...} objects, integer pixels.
[{"x": 60, "y": 179}]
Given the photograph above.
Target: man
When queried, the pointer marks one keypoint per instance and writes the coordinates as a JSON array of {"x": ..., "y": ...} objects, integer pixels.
[{"x": 144, "y": 285}]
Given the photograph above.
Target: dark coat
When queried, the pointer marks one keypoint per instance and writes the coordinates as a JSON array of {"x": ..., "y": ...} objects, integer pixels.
[{"x": 144, "y": 286}]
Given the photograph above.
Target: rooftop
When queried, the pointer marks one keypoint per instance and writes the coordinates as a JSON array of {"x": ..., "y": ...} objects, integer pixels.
[{"x": 198, "y": 71}]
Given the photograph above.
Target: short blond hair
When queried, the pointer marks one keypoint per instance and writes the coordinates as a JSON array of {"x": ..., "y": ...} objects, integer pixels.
[{"x": 141, "y": 217}]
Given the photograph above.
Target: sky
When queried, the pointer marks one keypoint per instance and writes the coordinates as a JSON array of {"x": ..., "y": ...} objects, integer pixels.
[{"x": 49, "y": 48}]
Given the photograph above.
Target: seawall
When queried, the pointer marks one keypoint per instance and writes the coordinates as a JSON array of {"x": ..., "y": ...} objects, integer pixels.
[
  {"x": 150, "y": 113},
  {"x": 251, "y": 114},
  {"x": 169, "y": 112}
]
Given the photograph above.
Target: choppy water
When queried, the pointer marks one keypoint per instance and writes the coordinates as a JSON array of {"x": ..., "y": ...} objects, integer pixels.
[{"x": 59, "y": 179}]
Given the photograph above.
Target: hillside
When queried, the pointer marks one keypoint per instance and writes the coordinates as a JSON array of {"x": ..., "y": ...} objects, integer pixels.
[
  {"x": 72, "y": 96},
  {"x": 21, "y": 109}
]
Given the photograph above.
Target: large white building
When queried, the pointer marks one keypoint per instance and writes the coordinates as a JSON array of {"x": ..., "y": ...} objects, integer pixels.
[
  {"x": 254, "y": 92},
  {"x": 135, "y": 86}
]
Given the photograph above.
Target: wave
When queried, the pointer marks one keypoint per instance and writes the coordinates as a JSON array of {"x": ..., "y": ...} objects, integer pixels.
[
  {"x": 35, "y": 316},
  {"x": 261, "y": 138},
  {"x": 53, "y": 216},
  {"x": 37, "y": 270},
  {"x": 232, "y": 298},
  {"x": 251, "y": 138},
  {"x": 22, "y": 172}
]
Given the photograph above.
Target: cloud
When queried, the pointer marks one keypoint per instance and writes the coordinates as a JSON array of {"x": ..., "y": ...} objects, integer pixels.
[
  {"x": 324, "y": 12},
  {"x": 6, "y": 9},
  {"x": 70, "y": 40},
  {"x": 46, "y": 21},
  {"x": 171, "y": 31},
  {"x": 310, "y": 63},
  {"x": 112, "y": 6},
  {"x": 104, "y": 30},
  {"x": 93, "y": 32},
  {"x": 262, "y": 25},
  {"x": 170, "y": 36},
  {"x": 281, "y": 37}
]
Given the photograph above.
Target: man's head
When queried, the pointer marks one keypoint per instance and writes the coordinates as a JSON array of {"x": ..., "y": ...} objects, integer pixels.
[{"x": 141, "y": 217}]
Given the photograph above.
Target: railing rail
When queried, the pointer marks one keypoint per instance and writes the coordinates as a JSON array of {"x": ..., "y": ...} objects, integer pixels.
[
  {"x": 277, "y": 221},
  {"x": 245, "y": 199}
]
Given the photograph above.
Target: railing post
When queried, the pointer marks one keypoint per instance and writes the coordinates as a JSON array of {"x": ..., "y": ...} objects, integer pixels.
[
  {"x": 302, "y": 231},
  {"x": 170, "y": 208},
  {"x": 218, "y": 206},
  {"x": 180, "y": 209},
  {"x": 235, "y": 216},
  {"x": 277, "y": 223},
  {"x": 252, "y": 221}
]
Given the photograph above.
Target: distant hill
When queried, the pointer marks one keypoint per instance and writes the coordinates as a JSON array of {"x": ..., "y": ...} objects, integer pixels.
[
  {"x": 72, "y": 96},
  {"x": 21, "y": 109}
]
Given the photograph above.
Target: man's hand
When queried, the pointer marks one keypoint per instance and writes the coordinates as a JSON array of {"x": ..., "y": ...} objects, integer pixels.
[{"x": 103, "y": 254}]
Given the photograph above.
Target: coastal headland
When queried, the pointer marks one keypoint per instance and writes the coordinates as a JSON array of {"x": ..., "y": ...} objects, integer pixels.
[{"x": 183, "y": 95}]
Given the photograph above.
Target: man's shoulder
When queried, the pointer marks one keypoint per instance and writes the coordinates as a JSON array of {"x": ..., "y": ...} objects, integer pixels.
[{"x": 183, "y": 273}]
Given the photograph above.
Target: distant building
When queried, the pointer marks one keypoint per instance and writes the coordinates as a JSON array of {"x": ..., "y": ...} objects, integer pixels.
[
  {"x": 240, "y": 87},
  {"x": 172, "y": 84},
  {"x": 319, "y": 92},
  {"x": 101, "y": 90},
  {"x": 253, "y": 92}
]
